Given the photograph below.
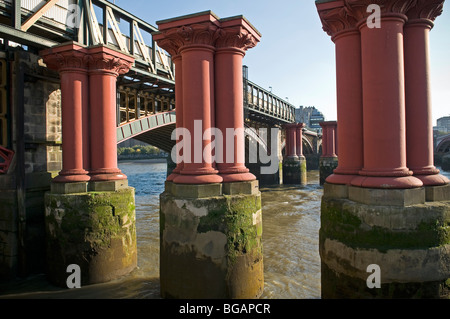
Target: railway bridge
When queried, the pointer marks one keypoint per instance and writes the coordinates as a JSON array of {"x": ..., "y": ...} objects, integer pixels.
[{"x": 78, "y": 77}]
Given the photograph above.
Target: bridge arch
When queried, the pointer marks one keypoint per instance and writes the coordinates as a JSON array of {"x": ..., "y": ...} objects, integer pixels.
[
  {"x": 443, "y": 144},
  {"x": 155, "y": 130}
]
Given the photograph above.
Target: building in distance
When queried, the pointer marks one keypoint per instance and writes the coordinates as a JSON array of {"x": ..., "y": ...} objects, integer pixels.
[{"x": 311, "y": 117}]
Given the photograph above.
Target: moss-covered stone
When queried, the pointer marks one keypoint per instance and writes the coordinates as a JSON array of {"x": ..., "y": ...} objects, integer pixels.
[
  {"x": 342, "y": 220},
  {"x": 94, "y": 230},
  {"x": 211, "y": 247},
  {"x": 326, "y": 167},
  {"x": 294, "y": 171},
  {"x": 408, "y": 243}
]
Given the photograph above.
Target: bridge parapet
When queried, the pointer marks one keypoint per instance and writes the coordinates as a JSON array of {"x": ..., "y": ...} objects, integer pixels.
[
  {"x": 88, "y": 22},
  {"x": 263, "y": 102}
]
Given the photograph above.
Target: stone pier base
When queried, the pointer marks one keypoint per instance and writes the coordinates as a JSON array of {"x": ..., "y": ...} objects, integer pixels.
[
  {"x": 326, "y": 167},
  {"x": 95, "y": 231},
  {"x": 294, "y": 170},
  {"x": 398, "y": 230},
  {"x": 211, "y": 241}
]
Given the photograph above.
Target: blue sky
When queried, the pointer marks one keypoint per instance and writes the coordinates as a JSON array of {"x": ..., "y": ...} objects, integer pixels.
[{"x": 295, "y": 57}]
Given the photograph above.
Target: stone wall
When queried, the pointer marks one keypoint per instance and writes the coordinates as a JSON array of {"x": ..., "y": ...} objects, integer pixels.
[{"x": 22, "y": 213}]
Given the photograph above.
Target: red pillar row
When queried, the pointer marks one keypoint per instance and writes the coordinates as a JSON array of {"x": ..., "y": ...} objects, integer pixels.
[
  {"x": 294, "y": 140},
  {"x": 88, "y": 102},
  {"x": 329, "y": 139},
  {"x": 209, "y": 55},
  {"x": 383, "y": 102}
]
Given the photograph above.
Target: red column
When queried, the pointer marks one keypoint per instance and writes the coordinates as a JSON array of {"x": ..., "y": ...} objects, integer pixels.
[
  {"x": 329, "y": 138},
  {"x": 340, "y": 22},
  {"x": 194, "y": 37},
  {"x": 235, "y": 38},
  {"x": 349, "y": 106},
  {"x": 419, "y": 127},
  {"x": 69, "y": 60},
  {"x": 291, "y": 140},
  {"x": 105, "y": 66},
  {"x": 299, "y": 139},
  {"x": 384, "y": 107},
  {"x": 179, "y": 108}
]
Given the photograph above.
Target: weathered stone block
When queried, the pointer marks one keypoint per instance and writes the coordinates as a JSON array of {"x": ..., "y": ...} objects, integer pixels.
[
  {"x": 249, "y": 187},
  {"x": 326, "y": 167},
  {"x": 196, "y": 191},
  {"x": 437, "y": 193},
  {"x": 410, "y": 244},
  {"x": 69, "y": 188},
  {"x": 211, "y": 247},
  {"x": 95, "y": 231},
  {"x": 387, "y": 197},
  {"x": 335, "y": 191},
  {"x": 294, "y": 171},
  {"x": 107, "y": 186}
]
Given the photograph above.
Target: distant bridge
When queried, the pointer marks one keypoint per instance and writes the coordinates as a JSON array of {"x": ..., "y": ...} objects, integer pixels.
[{"x": 443, "y": 144}]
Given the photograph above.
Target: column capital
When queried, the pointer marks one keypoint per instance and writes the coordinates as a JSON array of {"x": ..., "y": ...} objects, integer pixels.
[
  {"x": 290, "y": 126},
  {"x": 66, "y": 57},
  {"x": 336, "y": 17},
  {"x": 426, "y": 9},
  {"x": 359, "y": 8},
  {"x": 237, "y": 32},
  {"x": 104, "y": 59},
  {"x": 197, "y": 29},
  {"x": 328, "y": 123}
]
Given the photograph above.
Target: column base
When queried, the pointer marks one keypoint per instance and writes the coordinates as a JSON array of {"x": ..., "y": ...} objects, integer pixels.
[
  {"x": 326, "y": 167},
  {"x": 408, "y": 241},
  {"x": 72, "y": 176},
  {"x": 104, "y": 175},
  {"x": 294, "y": 170},
  {"x": 386, "y": 182},
  {"x": 211, "y": 244},
  {"x": 95, "y": 231},
  {"x": 340, "y": 179},
  {"x": 433, "y": 180}
]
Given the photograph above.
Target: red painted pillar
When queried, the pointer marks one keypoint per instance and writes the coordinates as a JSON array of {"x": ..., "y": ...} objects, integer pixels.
[
  {"x": 384, "y": 106},
  {"x": 236, "y": 36},
  {"x": 69, "y": 60},
  {"x": 349, "y": 106},
  {"x": 194, "y": 37},
  {"x": 329, "y": 138},
  {"x": 291, "y": 140},
  {"x": 340, "y": 22},
  {"x": 299, "y": 139},
  {"x": 419, "y": 127},
  {"x": 105, "y": 66},
  {"x": 177, "y": 60}
]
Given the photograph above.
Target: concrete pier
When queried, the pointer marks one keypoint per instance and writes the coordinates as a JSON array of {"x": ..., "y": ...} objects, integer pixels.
[
  {"x": 211, "y": 241},
  {"x": 211, "y": 220},
  {"x": 385, "y": 210},
  {"x": 89, "y": 211}
]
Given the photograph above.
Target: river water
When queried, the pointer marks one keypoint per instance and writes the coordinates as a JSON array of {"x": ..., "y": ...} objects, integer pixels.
[{"x": 291, "y": 221}]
